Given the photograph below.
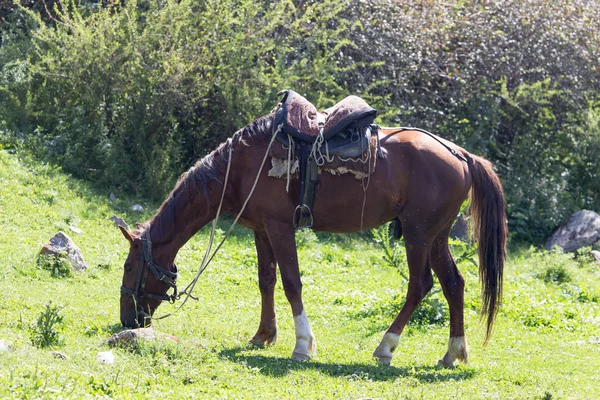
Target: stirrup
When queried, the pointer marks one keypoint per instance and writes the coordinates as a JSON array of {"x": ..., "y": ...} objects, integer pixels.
[{"x": 303, "y": 217}]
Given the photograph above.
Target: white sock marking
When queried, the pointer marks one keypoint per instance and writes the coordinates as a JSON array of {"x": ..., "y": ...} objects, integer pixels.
[
  {"x": 387, "y": 346},
  {"x": 304, "y": 335}
]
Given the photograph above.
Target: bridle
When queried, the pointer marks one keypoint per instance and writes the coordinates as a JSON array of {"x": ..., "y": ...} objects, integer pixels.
[
  {"x": 161, "y": 274},
  {"x": 170, "y": 277}
]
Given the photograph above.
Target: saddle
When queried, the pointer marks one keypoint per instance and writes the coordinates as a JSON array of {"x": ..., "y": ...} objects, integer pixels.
[{"x": 343, "y": 130}]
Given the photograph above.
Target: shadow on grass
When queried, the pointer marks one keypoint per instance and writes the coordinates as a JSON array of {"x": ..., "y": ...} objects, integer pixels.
[{"x": 278, "y": 367}]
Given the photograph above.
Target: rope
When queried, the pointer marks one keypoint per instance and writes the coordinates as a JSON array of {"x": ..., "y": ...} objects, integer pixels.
[{"x": 206, "y": 260}]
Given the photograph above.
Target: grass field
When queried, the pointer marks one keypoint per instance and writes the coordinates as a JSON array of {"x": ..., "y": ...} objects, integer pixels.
[{"x": 546, "y": 343}]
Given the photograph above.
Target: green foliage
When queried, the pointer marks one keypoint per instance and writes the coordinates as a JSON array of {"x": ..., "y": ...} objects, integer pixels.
[
  {"x": 556, "y": 274},
  {"x": 46, "y": 332},
  {"x": 131, "y": 93},
  {"x": 58, "y": 265},
  {"x": 306, "y": 237},
  {"x": 393, "y": 253},
  {"x": 131, "y": 96}
]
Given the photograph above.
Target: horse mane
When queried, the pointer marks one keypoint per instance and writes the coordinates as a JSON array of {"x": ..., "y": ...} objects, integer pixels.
[{"x": 195, "y": 181}]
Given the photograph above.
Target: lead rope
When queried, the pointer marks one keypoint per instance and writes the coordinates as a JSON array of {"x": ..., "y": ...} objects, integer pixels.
[{"x": 206, "y": 260}]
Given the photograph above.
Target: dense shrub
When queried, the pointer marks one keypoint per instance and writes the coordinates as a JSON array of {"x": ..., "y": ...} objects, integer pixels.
[{"x": 130, "y": 94}]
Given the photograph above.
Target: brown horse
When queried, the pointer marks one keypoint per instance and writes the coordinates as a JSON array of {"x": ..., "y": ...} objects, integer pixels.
[{"x": 419, "y": 182}]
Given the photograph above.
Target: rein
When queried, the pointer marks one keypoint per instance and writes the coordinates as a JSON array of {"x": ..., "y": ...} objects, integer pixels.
[
  {"x": 161, "y": 274},
  {"x": 169, "y": 277}
]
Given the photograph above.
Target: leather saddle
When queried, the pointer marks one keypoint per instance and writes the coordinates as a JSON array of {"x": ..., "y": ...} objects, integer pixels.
[
  {"x": 343, "y": 127},
  {"x": 343, "y": 130}
]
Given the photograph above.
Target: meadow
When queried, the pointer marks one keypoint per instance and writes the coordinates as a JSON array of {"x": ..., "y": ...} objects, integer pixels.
[{"x": 546, "y": 342}]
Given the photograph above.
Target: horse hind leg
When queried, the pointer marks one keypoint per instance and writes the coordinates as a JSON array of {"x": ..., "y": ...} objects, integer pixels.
[
  {"x": 420, "y": 283},
  {"x": 266, "y": 334},
  {"x": 453, "y": 286}
]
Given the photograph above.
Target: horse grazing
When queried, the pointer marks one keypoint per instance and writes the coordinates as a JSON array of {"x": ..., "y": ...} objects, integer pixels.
[{"x": 418, "y": 182}]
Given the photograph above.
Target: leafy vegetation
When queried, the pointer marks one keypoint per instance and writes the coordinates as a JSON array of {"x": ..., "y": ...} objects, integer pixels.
[
  {"x": 46, "y": 331},
  {"x": 128, "y": 94},
  {"x": 57, "y": 264}
]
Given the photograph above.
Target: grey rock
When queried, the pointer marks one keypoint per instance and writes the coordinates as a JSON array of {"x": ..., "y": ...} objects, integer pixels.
[
  {"x": 3, "y": 346},
  {"x": 119, "y": 222},
  {"x": 581, "y": 229},
  {"x": 75, "y": 229},
  {"x": 130, "y": 337},
  {"x": 137, "y": 208},
  {"x": 60, "y": 244},
  {"x": 59, "y": 355},
  {"x": 596, "y": 255},
  {"x": 105, "y": 357},
  {"x": 460, "y": 230},
  {"x": 112, "y": 197}
]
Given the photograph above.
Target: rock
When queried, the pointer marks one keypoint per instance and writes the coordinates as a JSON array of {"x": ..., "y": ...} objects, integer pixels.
[
  {"x": 112, "y": 197},
  {"x": 596, "y": 255},
  {"x": 137, "y": 208},
  {"x": 460, "y": 230},
  {"x": 105, "y": 357},
  {"x": 74, "y": 229},
  {"x": 3, "y": 346},
  {"x": 582, "y": 229},
  {"x": 119, "y": 222},
  {"x": 60, "y": 244},
  {"x": 130, "y": 337},
  {"x": 58, "y": 354}
]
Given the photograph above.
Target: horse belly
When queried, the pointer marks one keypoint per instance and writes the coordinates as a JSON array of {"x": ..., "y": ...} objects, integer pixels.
[{"x": 344, "y": 204}]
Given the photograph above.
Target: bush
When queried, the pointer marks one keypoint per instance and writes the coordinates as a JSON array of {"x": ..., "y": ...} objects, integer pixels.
[
  {"x": 132, "y": 94},
  {"x": 46, "y": 332},
  {"x": 58, "y": 265}
]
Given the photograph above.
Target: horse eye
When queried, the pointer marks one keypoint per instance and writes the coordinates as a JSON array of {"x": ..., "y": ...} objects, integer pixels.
[{"x": 128, "y": 268}]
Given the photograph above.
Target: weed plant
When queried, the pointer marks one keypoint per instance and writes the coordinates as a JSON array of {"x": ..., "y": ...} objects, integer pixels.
[{"x": 46, "y": 331}]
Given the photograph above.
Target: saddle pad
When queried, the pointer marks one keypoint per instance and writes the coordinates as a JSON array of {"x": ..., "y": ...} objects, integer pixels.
[
  {"x": 361, "y": 166},
  {"x": 301, "y": 119}
]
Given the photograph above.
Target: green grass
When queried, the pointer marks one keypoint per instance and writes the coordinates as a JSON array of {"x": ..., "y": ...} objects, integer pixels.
[{"x": 545, "y": 344}]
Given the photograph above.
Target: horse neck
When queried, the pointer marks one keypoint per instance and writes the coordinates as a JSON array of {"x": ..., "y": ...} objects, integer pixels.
[{"x": 183, "y": 214}]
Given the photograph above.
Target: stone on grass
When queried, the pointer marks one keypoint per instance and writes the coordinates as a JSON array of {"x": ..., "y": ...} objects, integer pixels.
[
  {"x": 596, "y": 255},
  {"x": 3, "y": 346},
  {"x": 59, "y": 355},
  {"x": 137, "y": 207},
  {"x": 60, "y": 244},
  {"x": 119, "y": 222},
  {"x": 460, "y": 230},
  {"x": 582, "y": 229},
  {"x": 131, "y": 337},
  {"x": 75, "y": 229},
  {"x": 105, "y": 357}
]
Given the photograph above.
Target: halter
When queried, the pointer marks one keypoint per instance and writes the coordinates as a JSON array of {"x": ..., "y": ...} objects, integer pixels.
[{"x": 161, "y": 274}]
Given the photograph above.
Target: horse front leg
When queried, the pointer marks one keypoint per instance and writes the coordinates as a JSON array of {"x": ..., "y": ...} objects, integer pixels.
[
  {"x": 267, "y": 278},
  {"x": 283, "y": 241}
]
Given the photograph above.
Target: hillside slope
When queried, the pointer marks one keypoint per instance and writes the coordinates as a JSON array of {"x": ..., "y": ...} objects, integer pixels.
[{"x": 546, "y": 344}]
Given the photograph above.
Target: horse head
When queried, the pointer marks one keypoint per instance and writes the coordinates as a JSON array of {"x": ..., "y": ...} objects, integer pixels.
[{"x": 145, "y": 283}]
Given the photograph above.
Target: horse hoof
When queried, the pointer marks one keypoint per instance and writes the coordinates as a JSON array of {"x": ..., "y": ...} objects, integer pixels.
[
  {"x": 300, "y": 357},
  {"x": 263, "y": 339},
  {"x": 259, "y": 341},
  {"x": 444, "y": 364},
  {"x": 384, "y": 360}
]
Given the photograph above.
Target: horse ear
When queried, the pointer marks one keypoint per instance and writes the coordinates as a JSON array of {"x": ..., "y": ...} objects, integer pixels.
[{"x": 126, "y": 233}]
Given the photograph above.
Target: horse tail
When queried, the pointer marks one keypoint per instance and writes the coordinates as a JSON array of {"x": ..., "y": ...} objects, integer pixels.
[{"x": 490, "y": 230}]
